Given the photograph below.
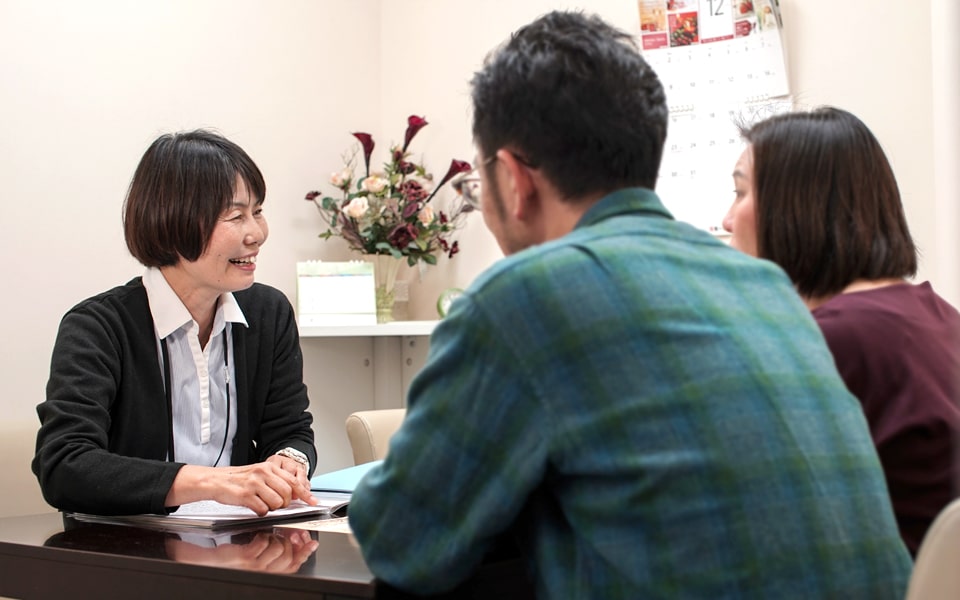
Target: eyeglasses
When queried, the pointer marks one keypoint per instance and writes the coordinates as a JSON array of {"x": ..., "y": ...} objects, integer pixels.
[{"x": 468, "y": 186}]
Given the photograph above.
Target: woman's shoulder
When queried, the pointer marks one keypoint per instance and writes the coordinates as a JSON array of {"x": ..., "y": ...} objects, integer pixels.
[
  {"x": 892, "y": 302},
  {"x": 886, "y": 319},
  {"x": 131, "y": 296},
  {"x": 122, "y": 312}
]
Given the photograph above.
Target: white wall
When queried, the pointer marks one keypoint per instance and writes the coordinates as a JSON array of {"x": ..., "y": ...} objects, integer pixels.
[
  {"x": 85, "y": 86},
  {"x": 945, "y": 51},
  {"x": 877, "y": 62}
]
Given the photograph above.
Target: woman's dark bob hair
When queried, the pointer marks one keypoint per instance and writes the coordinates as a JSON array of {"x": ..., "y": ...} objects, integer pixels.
[
  {"x": 183, "y": 184},
  {"x": 827, "y": 203}
]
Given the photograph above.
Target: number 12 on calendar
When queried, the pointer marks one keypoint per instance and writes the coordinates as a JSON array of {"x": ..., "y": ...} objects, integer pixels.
[{"x": 716, "y": 20}]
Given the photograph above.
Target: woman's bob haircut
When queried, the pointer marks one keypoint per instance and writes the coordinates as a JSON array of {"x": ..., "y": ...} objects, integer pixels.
[
  {"x": 183, "y": 184},
  {"x": 827, "y": 203}
]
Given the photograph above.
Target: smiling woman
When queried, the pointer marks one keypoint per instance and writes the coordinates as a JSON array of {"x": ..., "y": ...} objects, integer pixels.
[
  {"x": 228, "y": 261},
  {"x": 158, "y": 385}
]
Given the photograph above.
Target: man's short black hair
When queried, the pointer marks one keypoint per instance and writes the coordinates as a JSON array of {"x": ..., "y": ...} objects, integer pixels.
[{"x": 572, "y": 95}]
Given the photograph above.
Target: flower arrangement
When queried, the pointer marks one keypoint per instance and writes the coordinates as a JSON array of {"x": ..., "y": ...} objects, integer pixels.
[{"x": 389, "y": 211}]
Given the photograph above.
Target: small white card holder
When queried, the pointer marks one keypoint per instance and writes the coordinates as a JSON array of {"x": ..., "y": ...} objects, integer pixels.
[{"x": 335, "y": 293}]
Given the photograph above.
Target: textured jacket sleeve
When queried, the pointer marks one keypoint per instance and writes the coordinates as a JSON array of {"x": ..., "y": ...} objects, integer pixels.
[
  {"x": 445, "y": 493},
  {"x": 80, "y": 466}
]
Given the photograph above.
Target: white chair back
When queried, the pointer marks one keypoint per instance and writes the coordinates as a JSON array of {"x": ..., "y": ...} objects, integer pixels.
[
  {"x": 936, "y": 573},
  {"x": 369, "y": 432}
]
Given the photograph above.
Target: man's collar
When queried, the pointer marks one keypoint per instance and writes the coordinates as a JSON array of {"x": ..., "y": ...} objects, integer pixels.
[{"x": 627, "y": 200}]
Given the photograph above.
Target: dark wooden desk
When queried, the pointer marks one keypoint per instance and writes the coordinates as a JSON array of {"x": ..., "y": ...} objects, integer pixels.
[{"x": 51, "y": 556}]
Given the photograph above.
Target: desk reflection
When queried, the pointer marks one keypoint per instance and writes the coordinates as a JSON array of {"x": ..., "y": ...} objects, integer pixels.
[
  {"x": 100, "y": 560},
  {"x": 278, "y": 552},
  {"x": 284, "y": 551}
]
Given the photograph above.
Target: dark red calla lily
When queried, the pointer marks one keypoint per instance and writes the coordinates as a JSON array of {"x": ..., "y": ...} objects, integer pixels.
[
  {"x": 414, "y": 124},
  {"x": 366, "y": 140},
  {"x": 456, "y": 166}
]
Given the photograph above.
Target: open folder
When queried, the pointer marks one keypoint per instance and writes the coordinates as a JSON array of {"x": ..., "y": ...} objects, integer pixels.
[{"x": 211, "y": 515}]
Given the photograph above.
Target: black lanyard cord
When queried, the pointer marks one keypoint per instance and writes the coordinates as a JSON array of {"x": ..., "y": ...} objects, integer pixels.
[
  {"x": 167, "y": 391},
  {"x": 226, "y": 383}
]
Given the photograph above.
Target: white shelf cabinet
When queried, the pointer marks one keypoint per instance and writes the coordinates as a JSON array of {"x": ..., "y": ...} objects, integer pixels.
[
  {"x": 395, "y": 328},
  {"x": 358, "y": 367}
]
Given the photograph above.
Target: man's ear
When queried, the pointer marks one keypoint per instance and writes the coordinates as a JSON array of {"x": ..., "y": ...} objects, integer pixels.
[{"x": 520, "y": 184}]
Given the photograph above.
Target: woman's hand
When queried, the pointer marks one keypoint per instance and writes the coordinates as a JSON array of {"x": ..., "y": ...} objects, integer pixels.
[
  {"x": 292, "y": 466},
  {"x": 265, "y": 552},
  {"x": 261, "y": 487}
]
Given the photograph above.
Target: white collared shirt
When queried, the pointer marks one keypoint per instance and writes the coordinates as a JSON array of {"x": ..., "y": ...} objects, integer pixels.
[{"x": 198, "y": 377}]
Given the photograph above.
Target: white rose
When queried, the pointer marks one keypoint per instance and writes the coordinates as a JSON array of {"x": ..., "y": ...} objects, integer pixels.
[
  {"x": 426, "y": 215},
  {"x": 341, "y": 178},
  {"x": 374, "y": 184},
  {"x": 357, "y": 207}
]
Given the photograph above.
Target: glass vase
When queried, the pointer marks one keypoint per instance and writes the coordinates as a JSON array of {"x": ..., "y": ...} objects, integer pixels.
[{"x": 385, "y": 270}]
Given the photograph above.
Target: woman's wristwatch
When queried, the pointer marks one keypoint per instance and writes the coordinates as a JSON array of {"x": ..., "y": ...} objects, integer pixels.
[{"x": 296, "y": 455}]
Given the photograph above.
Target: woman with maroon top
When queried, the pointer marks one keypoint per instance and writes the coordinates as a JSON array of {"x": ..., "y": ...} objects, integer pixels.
[{"x": 816, "y": 195}]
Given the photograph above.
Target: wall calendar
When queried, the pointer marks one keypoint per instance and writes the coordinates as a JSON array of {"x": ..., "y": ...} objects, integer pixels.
[{"x": 721, "y": 63}]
